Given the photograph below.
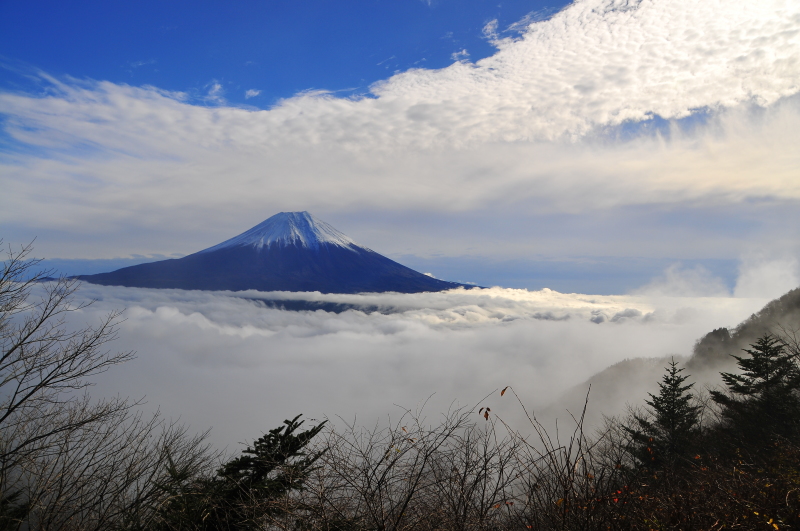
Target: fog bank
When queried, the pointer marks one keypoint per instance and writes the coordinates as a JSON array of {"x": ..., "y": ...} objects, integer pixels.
[{"x": 226, "y": 361}]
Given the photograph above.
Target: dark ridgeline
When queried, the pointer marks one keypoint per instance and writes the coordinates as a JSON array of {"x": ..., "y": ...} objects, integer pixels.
[
  {"x": 715, "y": 349},
  {"x": 291, "y": 251}
]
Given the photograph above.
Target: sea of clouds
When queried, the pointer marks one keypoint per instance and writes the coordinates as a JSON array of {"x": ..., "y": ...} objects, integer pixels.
[{"x": 238, "y": 363}]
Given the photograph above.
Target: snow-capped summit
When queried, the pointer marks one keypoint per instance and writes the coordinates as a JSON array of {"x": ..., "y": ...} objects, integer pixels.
[
  {"x": 299, "y": 229},
  {"x": 291, "y": 251}
]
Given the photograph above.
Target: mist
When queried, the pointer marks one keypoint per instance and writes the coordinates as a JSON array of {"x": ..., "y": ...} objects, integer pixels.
[
  {"x": 664, "y": 134},
  {"x": 230, "y": 362}
]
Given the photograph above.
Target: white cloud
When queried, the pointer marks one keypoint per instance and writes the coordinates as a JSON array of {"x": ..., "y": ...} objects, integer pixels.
[
  {"x": 767, "y": 276},
  {"x": 524, "y": 23},
  {"x": 461, "y": 55},
  {"x": 216, "y": 93},
  {"x": 169, "y": 169},
  {"x": 677, "y": 281},
  {"x": 490, "y": 30},
  {"x": 532, "y": 128},
  {"x": 251, "y": 93},
  {"x": 137, "y": 64},
  {"x": 225, "y": 361},
  {"x": 592, "y": 64}
]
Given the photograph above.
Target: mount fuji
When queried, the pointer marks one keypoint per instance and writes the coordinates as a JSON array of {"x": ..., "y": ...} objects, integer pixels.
[{"x": 291, "y": 251}]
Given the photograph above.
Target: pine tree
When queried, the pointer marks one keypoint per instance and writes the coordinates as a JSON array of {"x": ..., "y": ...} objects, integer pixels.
[
  {"x": 247, "y": 490},
  {"x": 764, "y": 400},
  {"x": 275, "y": 465},
  {"x": 664, "y": 437}
]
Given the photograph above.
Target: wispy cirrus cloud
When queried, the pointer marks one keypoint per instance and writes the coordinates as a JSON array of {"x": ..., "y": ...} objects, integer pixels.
[
  {"x": 215, "y": 93},
  {"x": 138, "y": 64},
  {"x": 461, "y": 55}
]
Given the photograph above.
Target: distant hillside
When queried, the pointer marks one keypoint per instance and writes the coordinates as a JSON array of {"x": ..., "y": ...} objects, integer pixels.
[
  {"x": 710, "y": 355},
  {"x": 612, "y": 389},
  {"x": 714, "y": 349}
]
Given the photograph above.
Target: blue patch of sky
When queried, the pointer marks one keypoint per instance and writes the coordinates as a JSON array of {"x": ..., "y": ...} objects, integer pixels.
[
  {"x": 597, "y": 275},
  {"x": 657, "y": 125},
  {"x": 278, "y": 48}
]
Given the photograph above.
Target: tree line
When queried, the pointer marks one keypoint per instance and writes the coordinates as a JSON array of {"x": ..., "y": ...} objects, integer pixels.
[{"x": 684, "y": 459}]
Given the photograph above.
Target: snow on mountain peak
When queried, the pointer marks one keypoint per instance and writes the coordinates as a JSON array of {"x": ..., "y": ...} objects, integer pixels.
[{"x": 289, "y": 228}]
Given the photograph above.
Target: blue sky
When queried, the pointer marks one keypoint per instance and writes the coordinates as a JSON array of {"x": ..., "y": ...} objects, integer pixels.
[
  {"x": 595, "y": 146},
  {"x": 277, "y": 48}
]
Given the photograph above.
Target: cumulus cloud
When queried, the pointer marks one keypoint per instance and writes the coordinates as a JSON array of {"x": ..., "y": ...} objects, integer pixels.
[
  {"x": 230, "y": 361},
  {"x": 251, "y": 93}
]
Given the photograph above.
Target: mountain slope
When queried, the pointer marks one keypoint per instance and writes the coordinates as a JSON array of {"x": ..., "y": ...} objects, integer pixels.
[
  {"x": 291, "y": 251},
  {"x": 629, "y": 381},
  {"x": 780, "y": 316}
]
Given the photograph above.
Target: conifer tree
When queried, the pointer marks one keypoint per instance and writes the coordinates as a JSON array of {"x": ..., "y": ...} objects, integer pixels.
[
  {"x": 664, "y": 436},
  {"x": 275, "y": 465},
  {"x": 764, "y": 400},
  {"x": 248, "y": 490}
]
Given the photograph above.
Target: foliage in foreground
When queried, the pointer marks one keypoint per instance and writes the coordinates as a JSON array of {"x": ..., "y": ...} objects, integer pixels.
[
  {"x": 665, "y": 467},
  {"x": 247, "y": 491},
  {"x": 70, "y": 462}
]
